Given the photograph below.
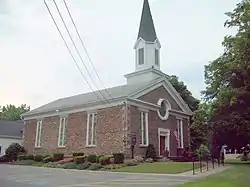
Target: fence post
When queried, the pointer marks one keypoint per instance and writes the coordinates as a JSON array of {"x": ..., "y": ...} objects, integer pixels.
[
  {"x": 207, "y": 163},
  {"x": 200, "y": 164},
  {"x": 193, "y": 168}
]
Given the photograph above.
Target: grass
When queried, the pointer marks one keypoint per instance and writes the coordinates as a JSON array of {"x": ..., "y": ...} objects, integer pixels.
[
  {"x": 236, "y": 161},
  {"x": 159, "y": 167},
  {"x": 237, "y": 176}
]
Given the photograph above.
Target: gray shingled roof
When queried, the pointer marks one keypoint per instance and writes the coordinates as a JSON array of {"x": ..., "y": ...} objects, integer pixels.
[
  {"x": 11, "y": 128},
  {"x": 88, "y": 98},
  {"x": 147, "y": 29}
]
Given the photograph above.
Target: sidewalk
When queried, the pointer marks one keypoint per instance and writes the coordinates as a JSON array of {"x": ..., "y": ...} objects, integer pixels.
[{"x": 206, "y": 172}]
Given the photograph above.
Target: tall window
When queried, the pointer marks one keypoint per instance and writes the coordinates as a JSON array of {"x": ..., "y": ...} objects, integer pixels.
[
  {"x": 144, "y": 128},
  {"x": 180, "y": 133},
  {"x": 157, "y": 59},
  {"x": 141, "y": 56},
  {"x": 91, "y": 129},
  {"x": 38, "y": 134},
  {"x": 62, "y": 138}
]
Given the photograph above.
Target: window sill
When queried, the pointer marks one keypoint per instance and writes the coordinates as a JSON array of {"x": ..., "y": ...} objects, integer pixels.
[
  {"x": 143, "y": 146},
  {"x": 61, "y": 147},
  {"x": 90, "y": 146}
]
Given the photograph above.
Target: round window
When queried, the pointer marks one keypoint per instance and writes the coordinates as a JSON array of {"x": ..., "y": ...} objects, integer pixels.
[{"x": 163, "y": 110}]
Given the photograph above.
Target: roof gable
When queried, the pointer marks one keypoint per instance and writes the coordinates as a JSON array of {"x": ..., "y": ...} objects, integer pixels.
[{"x": 177, "y": 102}]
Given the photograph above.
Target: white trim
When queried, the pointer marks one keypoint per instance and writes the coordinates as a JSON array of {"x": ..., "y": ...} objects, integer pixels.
[
  {"x": 164, "y": 118},
  {"x": 142, "y": 104},
  {"x": 180, "y": 133},
  {"x": 38, "y": 134},
  {"x": 74, "y": 109},
  {"x": 146, "y": 42},
  {"x": 91, "y": 121},
  {"x": 167, "y": 139},
  {"x": 169, "y": 88},
  {"x": 62, "y": 127},
  {"x": 144, "y": 130}
]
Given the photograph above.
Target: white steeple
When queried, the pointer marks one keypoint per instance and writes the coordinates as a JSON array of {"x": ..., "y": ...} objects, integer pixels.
[{"x": 147, "y": 50}]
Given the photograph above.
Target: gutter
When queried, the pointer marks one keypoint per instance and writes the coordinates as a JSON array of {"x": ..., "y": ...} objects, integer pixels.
[{"x": 72, "y": 107}]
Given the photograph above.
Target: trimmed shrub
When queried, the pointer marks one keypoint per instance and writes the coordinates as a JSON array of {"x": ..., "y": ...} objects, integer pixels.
[
  {"x": 48, "y": 159},
  {"x": 3, "y": 159},
  {"x": 244, "y": 158},
  {"x": 149, "y": 160},
  {"x": 30, "y": 157},
  {"x": 139, "y": 159},
  {"x": 104, "y": 160},
  {"x": 22, "y": 157},
  {"x": 58, "y": 157},
  {"x": 119, "y": 158},
  {"x": 79, "y": 159},
  {"x": 38, "y": 158},
  {"x": 92, "y": 158},
  {"x": 151, "y": 153},
  {"x": 95, "y": 166},
  {"x": 13, "y": 151},
  {"x": 69, "y": 166},
  {"x": 84, "y": 166},
  {"x": 78, "y": 154}
]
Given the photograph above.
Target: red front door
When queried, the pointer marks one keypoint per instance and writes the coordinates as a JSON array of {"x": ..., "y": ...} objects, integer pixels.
[{"x": 162, "y": 145}]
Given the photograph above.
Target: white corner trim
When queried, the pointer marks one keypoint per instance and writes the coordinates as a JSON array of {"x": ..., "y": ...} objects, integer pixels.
[{"x": 142, "y": 129}]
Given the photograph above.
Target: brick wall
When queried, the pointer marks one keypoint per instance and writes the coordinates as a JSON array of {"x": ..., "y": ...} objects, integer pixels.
[{"x": 109, "y": 133}]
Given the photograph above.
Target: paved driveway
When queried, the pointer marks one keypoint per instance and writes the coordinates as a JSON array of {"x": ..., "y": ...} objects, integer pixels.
[{"x": 25, "y": 176}]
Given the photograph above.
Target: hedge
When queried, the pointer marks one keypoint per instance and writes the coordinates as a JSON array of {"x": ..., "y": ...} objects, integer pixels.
[
  {"x": 79, "y": 159},
  {"x": 119, "y": 158}
]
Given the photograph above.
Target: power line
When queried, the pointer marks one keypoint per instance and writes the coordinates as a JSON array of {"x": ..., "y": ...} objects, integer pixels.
[
  {"x": 91, "y": 62},
  {"x": 78, "y": 51},
  {"x": 72, "y": 56}
]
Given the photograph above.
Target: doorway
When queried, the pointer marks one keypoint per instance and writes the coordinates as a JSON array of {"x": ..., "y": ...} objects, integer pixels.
[{"x": 164, "y": 141}]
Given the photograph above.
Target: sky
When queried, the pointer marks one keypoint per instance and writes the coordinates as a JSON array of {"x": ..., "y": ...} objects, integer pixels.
[{"x": 36, "y": 68}]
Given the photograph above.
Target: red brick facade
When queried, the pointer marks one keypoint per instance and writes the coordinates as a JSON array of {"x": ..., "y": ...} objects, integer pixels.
[{"x": 110, "y": 133}]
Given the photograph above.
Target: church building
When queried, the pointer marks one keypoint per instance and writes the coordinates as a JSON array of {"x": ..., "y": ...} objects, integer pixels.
[{"x": 146, "y": 110}]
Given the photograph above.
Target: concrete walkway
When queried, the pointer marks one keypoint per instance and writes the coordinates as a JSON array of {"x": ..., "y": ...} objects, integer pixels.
[{"x": 27, "y": 176}]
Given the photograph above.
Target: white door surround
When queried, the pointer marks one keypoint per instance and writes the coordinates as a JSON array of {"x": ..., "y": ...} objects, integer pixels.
[{"x": 166, "y": 133}]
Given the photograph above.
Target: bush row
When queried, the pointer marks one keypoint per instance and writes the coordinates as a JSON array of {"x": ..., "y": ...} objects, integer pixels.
[{"x": 79, "y": 158}]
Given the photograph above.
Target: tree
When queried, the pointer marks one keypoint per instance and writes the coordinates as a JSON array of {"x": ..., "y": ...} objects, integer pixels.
[
  {"x": 186, "y": 95},
  {"x": 200, "y": 127},
  {"x": 228, "y": 82},
  {"x": 12, "y": 113}
]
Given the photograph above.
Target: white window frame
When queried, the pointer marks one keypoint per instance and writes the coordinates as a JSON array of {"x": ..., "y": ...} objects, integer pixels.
[
  {"x": 91, "y": 122},
  {"x": 180, "y": 133},
  {"x": 144, "y": 139},
  {"x": 143, "y": 56},
  {"x": 38, "y": 134},
  {"x": 63, "y": 130}
]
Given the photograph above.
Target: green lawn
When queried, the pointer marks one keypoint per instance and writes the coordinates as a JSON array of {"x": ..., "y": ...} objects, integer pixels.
[
  {"x": 159, "y": 167},
  {"x": 237, "y": 176}
]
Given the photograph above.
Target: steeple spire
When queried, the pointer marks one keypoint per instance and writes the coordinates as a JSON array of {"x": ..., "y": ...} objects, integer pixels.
[{"x": 147, "y": 29}]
